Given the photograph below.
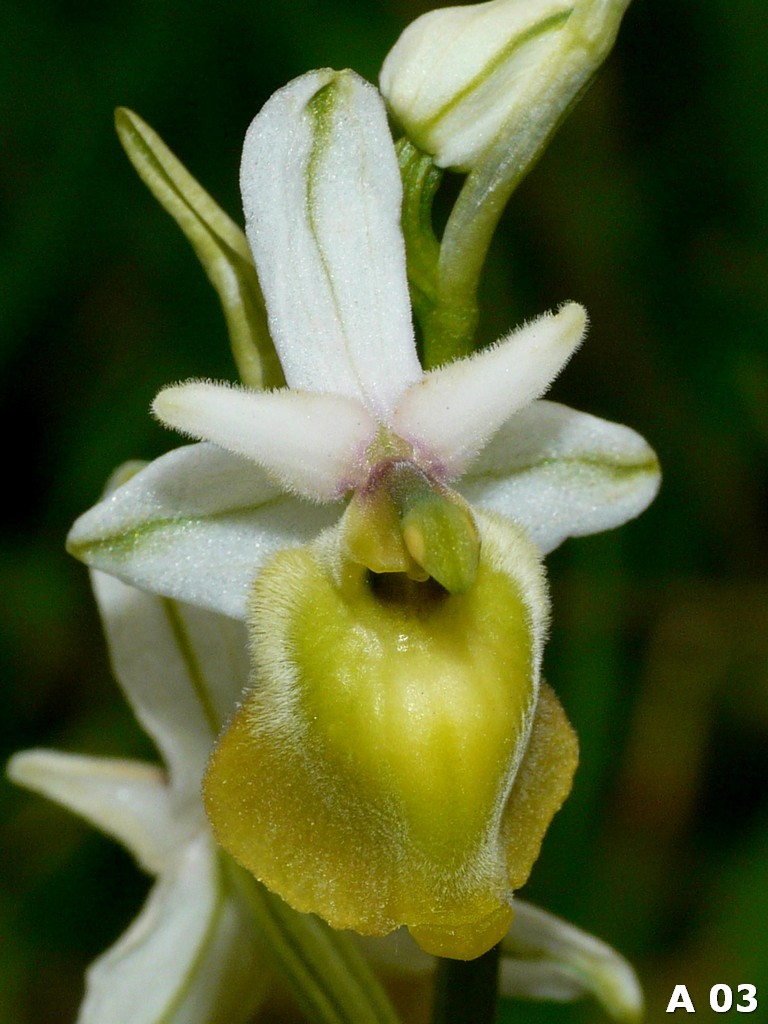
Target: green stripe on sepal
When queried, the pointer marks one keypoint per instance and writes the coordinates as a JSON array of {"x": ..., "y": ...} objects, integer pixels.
[{"x": 219, "y": 243}]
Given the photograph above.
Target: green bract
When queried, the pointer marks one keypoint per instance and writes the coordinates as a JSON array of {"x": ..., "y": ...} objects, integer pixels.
[{"x": 218, "y": 242}]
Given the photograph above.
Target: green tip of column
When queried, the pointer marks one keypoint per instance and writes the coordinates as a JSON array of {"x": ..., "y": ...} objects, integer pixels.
[{"x": 439, "y": 533}]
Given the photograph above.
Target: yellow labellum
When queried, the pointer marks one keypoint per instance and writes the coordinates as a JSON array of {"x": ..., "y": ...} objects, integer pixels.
[{"x": 395, "y": 762}]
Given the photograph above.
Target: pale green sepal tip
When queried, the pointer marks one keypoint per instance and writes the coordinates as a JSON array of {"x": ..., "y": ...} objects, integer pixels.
[
  {"x": 545, "y": 957},
  {"x": 124, "y": 472},
  {"x": 219, "y": 243}
]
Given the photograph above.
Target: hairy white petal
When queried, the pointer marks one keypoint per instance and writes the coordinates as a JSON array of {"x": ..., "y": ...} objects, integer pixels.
[
  {"x": 126, "y": 799},
  {"x": 189, "y": 958},
  {"x": 544, "y": 957},
  {"x": 561, "y": 473},
  {"x": 453, "y": 411},
  {"x": 190, "y": 667},
  {"x": 321, "y": 193},
  {"x": 196, "y": 525},
  {"x": 309, "y": 442}
]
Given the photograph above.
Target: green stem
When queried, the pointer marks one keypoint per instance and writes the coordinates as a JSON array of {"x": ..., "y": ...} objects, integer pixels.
[
  {"x": 466, "y": 991},
  {"x": 446, "y": 333},
  {"x": 481, "y": 202},
  {"x": 328, "y": 975}
]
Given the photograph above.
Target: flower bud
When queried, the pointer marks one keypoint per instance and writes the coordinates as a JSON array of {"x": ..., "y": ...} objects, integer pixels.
[
  {"x": 397, "y": 761},
  {"x": 461, "y": 77}
]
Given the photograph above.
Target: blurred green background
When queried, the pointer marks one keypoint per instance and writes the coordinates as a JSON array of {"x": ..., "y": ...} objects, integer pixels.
[{"x": 651, "y": 208}]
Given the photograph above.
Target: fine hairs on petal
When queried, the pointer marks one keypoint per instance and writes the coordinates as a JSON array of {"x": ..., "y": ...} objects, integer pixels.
[
  {"x": 310, "y": 442},
  {"x": 456, "y": 409}
]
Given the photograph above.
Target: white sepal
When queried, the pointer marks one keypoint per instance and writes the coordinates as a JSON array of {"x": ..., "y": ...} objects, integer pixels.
[
  {"x": 127, "y": 800},
  {"x": 453, "y": 411},
  {"x": 544, "y": 957},
  {"x": 560, "y": 473},
  {"x": 196, "y": 525},
  {"x": 189, "y": 958},
  {"x": 321, "y": 194},
  {"x": 309, "y": 442},
  {"x": 201, "y": 658}
]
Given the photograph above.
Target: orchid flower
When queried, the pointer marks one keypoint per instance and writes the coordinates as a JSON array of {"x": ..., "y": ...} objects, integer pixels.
[{"x": 409, "y": 631}]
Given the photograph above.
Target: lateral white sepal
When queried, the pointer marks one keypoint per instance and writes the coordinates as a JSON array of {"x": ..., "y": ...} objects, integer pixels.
[
  {"x": 126, "y": 799},
  {"x": 204, "y": 668},
  {"x": 190, "y": 957},
  {"x": 544, "y": 957},
  {"x": 561, "y": 473},
  {"x": 196, "y": 524}
]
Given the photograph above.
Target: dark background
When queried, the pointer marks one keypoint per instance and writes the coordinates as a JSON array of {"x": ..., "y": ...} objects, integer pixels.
[{"x": 651, "y": 208}]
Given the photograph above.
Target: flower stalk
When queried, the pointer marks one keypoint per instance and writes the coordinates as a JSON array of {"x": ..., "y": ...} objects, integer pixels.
[{"x": 467, "y": 991}]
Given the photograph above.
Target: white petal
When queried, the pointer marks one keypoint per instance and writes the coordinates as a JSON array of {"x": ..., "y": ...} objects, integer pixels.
[
  {"x": 187, "y": 959},
  {"x": 544, "y": 957},
  {"x": 453, "y": 411},
  {"x": 561, "y": 473},
  {"x": 310, "y": 443},
  {"x": 321, "y": 193},
  {"x": 195, "y": 525},
  {"x": 182, "y": 680},
  {"x": 126, "y": 799}
]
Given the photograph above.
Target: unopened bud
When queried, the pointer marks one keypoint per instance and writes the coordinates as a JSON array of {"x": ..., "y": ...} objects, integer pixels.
[{"x": 459, "y": 78}]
